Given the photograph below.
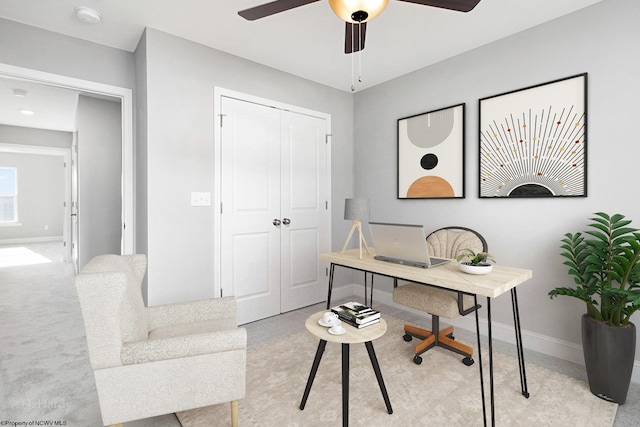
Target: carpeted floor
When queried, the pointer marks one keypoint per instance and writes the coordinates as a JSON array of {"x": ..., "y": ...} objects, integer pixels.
[
  {"x": 45, "y": 373},
  {"x": 441, "y": 391}
]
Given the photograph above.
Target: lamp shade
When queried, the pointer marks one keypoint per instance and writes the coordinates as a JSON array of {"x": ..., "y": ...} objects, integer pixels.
[
  {"x": 355, "y": 11},
  {"x": 356, "y": 209}
]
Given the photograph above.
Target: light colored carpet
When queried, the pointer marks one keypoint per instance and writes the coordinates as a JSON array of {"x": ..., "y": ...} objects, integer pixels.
[{"x": 441, "y": 391}]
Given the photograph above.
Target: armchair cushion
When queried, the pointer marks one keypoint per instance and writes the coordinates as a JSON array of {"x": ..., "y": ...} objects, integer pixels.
[
  {"x": 194, "y": 311},
  {"x": 165, "y": 347}
]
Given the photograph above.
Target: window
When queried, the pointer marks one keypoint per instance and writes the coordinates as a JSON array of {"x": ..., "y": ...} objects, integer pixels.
[{"x": 8, "y": 195}]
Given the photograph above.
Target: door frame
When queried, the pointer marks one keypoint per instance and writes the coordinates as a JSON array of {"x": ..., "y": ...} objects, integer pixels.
[
  {"x": 126, "y": 102},
  {"x": 218, "y": 94}
]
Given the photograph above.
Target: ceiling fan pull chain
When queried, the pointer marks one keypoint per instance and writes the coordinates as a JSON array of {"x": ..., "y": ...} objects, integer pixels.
[
  {"x": 353, "y": 43},
  {"x": 359, "y": 52}
]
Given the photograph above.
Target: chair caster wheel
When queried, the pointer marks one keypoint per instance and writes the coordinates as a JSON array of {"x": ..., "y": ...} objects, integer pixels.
[
  {"x": 407, "y": 337},
  {"x": 468, "y": 361},
  {"x": 417, "y": 359},
  {"x": 450, "y": 336}
]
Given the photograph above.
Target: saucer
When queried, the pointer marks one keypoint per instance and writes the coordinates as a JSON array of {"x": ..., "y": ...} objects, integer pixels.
[
  {"x": 321, "y": 322},
  {"x": 337, "y": 333}
]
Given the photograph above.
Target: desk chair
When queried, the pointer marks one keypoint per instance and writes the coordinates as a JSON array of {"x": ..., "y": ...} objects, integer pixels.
[{"x": 444, "y": 243}]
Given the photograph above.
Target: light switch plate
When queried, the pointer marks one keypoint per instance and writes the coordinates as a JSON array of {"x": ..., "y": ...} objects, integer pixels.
[{"x": 200, "y": 199}]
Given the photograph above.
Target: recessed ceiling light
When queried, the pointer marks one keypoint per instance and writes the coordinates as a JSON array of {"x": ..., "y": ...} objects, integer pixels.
[
  {"x": 27, "y": 112},
  {"x": 20, "y": 92},
  {"x": 88, "y": 15}
]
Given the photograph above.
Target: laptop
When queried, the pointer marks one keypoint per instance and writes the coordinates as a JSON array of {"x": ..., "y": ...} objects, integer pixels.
[{"x": 403, "y": 244}]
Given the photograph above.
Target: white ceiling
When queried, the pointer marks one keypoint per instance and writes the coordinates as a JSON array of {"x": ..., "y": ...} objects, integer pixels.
[
  {"x": 307, "y": 41},
  {"x": 54, "y": 107}
]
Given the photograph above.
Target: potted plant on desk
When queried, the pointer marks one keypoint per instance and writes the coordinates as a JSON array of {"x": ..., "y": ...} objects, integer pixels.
[
  {"x": 474, "y": 263},
  {"x": 605, "y": 265}
]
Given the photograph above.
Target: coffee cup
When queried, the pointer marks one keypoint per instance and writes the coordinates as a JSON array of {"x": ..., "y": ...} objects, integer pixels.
[
  {"x": 337, "y": 329},
  {"x": 330, "y": 317}
]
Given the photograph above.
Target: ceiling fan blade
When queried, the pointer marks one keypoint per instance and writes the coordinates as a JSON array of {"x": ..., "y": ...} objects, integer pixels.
[
  {"x": 354, "y": 37},
  {"x": 457, "y": 5},
  {"x": 272, "y": 8}
]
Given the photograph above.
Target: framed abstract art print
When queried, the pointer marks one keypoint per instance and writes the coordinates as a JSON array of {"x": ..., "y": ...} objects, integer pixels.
[
  {"x": 533, "y": 141},
  {"x": 431, "y": 154}
]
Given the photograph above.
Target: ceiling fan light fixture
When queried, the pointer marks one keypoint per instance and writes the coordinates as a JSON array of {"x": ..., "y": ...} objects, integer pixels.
[{"x": 356, "y": 11}]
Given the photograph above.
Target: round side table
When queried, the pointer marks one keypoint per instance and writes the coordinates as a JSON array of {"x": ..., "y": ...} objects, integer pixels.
[{"x": 352, "y": 336}]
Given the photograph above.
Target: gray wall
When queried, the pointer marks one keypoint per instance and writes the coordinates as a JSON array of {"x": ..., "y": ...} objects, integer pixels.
[
  {"x": 99, "y": 178},
  {"x": 30, "y": 47},
  {"x": 41, "y": 194},
  {"x": 33, "y": 48},
  {"x": 142, "y": 235},
  {"x": 174, "y": 105},
  {"x": 601, "y": 40},
  {"x": 35, "y": 137},
  {"x": 180, "y": 79},
  {"x": 40, "y": 180}
]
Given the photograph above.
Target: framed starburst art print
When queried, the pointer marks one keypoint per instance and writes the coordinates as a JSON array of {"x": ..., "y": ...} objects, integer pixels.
[{"x": 533, "y": 141}]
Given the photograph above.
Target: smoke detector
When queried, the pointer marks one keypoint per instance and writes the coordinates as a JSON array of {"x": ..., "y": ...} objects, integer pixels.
[{"x": 88, "y": 15}]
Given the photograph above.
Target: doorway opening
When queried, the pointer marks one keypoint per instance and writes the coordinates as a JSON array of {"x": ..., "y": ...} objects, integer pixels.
[{"x": 108, "y": 92}]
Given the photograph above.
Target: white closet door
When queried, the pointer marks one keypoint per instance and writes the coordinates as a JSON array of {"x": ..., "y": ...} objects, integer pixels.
[
  {"x": 275, "y": 218},
  {"x": 304, "y": 196},
  {"x": 250, "y": 155}
]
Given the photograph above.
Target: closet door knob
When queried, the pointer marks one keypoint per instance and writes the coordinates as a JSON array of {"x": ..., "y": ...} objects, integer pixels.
[
  {"x": 276, "y": 222},
  {"x": 286, "y": 221}
]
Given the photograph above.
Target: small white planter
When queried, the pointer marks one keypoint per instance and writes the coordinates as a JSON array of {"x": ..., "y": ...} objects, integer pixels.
[{"x": 466, "y": 267}]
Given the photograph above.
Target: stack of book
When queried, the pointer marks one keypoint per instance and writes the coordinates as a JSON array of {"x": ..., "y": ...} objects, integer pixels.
[{"x": 356, "y": 314}]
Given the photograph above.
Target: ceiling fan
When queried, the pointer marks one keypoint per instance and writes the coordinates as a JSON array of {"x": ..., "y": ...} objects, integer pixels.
[{"x": 355, "y": 13}]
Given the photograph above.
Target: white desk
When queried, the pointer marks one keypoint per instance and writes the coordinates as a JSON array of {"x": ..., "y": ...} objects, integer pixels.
[{"x": 448, "y": 276}]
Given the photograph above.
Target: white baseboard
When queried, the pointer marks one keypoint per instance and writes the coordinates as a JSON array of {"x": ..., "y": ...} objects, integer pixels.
[
  {"x": 532, "y": 341},
  {"x": 28, "y": 240}
]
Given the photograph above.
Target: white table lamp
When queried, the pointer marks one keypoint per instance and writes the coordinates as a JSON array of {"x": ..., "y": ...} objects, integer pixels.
[{"x": 358, "y": 211}]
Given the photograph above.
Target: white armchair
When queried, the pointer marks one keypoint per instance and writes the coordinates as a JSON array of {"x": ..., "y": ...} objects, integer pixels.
[{"x": 162, "y": 359}]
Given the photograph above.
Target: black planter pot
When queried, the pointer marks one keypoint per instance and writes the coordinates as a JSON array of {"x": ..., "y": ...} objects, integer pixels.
[{"x": 609, "y": 353}]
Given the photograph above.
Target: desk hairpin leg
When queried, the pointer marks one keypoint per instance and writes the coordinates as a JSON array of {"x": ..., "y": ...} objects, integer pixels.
[
  {"x": 370, "y": 301},
  {"x": 521, "y": 365},
  {"x": 490, "y": 337},
  {"x": 516, "y": 323},
  {"x": 484, "y": 405},
  {"x": 331, "y": 269}
]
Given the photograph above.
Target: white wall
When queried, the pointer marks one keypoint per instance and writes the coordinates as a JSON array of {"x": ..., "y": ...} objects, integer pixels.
[
  {"x": 180, "y": 77},
  {"x": 601, "y": 40}
]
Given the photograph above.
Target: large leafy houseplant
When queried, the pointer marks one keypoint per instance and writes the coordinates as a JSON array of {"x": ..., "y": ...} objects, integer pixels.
[{"x": 605, "y": 265}]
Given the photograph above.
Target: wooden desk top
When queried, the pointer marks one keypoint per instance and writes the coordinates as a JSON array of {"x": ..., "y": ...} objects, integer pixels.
[
  {"x": 351, "y": 336},
  {"x": 500, "y": 280}
]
